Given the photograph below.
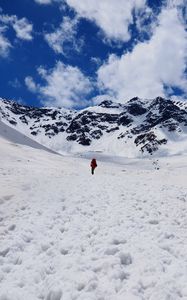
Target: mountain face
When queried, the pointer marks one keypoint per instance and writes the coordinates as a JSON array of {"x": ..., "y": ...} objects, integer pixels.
[{"x": 157, "y": 126}]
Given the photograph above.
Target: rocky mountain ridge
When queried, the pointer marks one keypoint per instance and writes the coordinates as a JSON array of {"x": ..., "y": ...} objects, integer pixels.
[{"x": 135, "y": 128}]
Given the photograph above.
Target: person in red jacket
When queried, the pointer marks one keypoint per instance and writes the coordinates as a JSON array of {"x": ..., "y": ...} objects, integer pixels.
[{"x": 93, "y": 165}]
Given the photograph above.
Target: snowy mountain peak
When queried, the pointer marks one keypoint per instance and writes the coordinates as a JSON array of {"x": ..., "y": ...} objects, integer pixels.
[
  {"x": 141, "y": 126},
  {"x": 110, "y": 104}
]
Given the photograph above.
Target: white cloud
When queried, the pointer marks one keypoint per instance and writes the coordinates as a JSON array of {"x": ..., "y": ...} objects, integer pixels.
[
  {"x": 15, "y": 83},
  {"x": 96, "y": 60},
  {"x": 113, "y": 17},
  {"x": 64, "y": 86},
  {"x": 5, "y": 45},
  {"x": 22, "y": 27},
  {"x": 151, "y": 65},
  {"x": 29, "y": 82},
  {"x": 175, "y": 3},
  {"x": 61, "y": 3},
  {"x": 43, "y": 1},
  {"x": 65, "y": 34}
]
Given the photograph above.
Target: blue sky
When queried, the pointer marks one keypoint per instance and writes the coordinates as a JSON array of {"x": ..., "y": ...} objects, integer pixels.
[{"x": 74, "y": 53}]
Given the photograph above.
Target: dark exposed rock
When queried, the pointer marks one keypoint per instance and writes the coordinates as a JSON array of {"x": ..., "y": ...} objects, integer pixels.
[
  {"x": 134, "y": 99},
  {"x": 34, "y": 132},
  {"x": 149, "y": 141},
  {"x": 143, "y": 138},
  {"x": 13, "y": 122},
  {"x": 121, "y": 136},
  {"x": 61, "y": 129},
  {"x": 71, "y": 137},
  {"x": 106, "y": 103},
  {"x": 50, "y": 134},
  {"x": 84, "y": 140},
  {"x": 140, "y": 128},
  {"x": 171, "y": 125},
  {"x": 136, "y": 109},
  {"x": 153, "y": 146},
  {"x": 23, "y": 119},
  {"x": 74, "y": 126},
  {"x": 109, "y": 104},
  {"x": 124, "y": 120},
  {"x": 55, "y": 129},
  {"x": 102, "y": 127},
  {"x": 96, "y": 134},
  {"x": 112, "y": 129},
  {"x": 61, "y": 124},
  {"x": 110, "y": 118},
  {"x": 54, "y": 114}
]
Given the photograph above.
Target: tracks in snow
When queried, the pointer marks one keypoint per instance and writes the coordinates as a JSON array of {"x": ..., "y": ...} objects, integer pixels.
[{"x": 69, "y": 235}]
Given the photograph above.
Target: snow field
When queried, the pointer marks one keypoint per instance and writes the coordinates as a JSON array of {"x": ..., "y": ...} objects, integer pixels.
[{"x": 67, "y": 235}]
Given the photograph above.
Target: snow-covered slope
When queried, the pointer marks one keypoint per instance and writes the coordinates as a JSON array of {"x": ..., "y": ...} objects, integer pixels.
[
  {"x": 139, "y": 127},
  {"x": 17, "y": 138},
  {"x": 68, "y": 235}
]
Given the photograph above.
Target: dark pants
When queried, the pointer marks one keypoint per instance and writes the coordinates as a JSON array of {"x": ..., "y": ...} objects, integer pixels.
[{"x": 93, "y": 170}]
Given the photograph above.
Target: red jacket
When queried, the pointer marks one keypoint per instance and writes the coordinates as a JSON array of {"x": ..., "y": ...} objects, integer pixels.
[{"x": 93, "y": 163}]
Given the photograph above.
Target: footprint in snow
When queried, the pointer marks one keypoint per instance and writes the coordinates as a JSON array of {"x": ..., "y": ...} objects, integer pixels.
[
  {"x": 64, "y": 251},
  {"x": 7, "y": 197},
  {"x": 118, "y": 241},
  {"x": 17, "y": 260},
  {"x": 26, "y": 187},
  {"x": 121, "y": 275},
  {"x": 63, "y": 208},
  {"x": 4, "y": 252},
  {"x": 1, "y": 201},
  {"x": 111, "y": 251},
  {"x": 80, "y": 286},
  {"x": 23, "y": 208},
  {"x": 45, "y": 247},
  {"x": 153, "y": 222},
  {"x": 12, "y": 227},
  {"x": 62, "y": 229},
  {"x": 27, "y": 238},
  {"x": 125, "y": 258},
  {"x": 54, "y": 294},
  {"x": 21, "y": 284},
  {"x": 169, "y": 236},
  {"x": 183, "y": 199}
]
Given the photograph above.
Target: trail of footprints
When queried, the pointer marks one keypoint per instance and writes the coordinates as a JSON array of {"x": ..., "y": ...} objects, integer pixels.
[{"x": 108, "y": 260}]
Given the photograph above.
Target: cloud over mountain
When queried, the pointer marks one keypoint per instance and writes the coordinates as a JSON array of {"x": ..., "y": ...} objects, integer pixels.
[
  {"x": 153, "y": 67},
  {"x": 63, "y": 85}
]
